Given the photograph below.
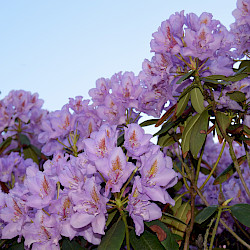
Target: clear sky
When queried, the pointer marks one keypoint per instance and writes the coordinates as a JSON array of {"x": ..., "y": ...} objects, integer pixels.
[{"x": 59, "y": 48}]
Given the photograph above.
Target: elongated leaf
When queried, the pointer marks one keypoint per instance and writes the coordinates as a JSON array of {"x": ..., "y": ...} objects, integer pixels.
[
  {"x": 186, "y": 90},
  {"x": 246, "y": 130},
  {"x": 169, "y": 242},
  {"x": 166, "y": 217},
  {"x": 114, "y": 237},
  {"x": 5, "y": 144},
  {"x": 197, "y": 100},
  {"x": 205, "y": 171},
  {"x": 146, "y": 241},
  {"x": 24, "y": 140},
  {"x": 110, "y": 217},
  {"x": 166, "y": 115},
  {"x": 17, "y": 246},
  {"x": 240, "y": 71},
  {"x": 205, "y": 214},
  {"x": 166, "y": 140},
  {"x": 184, "y": 214},
  {"x": 237, "y": 96},
  {"x": 229, "y": 171},
  {"x": 182, "y": 104},
  {"x": 120, "y": 140},
  {"x": 28, "y": 152},
  {"x": 71, "y": 245},
  {"x": 242, "y": 213},
  {"x": 36, "y": 150},
  {"x": 224, "y": 121},
  {"x": 149, "y": 122},
  {"x": 199, "y": 133},
  {"x": 165, "y": 128},
  {"x": 185, "y": 76},
  {"x": 237, "y": 77},
  {"x": 187, "y": 134},
  {"x": 246, "y": 65}
]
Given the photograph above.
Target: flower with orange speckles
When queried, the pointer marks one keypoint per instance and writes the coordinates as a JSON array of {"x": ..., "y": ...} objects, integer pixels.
[
  {"x": 115, "y": 170},
  {"x": 42, "y": 188}
]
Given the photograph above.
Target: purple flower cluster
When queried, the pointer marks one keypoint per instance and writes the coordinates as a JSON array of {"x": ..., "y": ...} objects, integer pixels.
[
  {"x": 39, "y": 210},
  {"x": 21, "y": 112},
  {"x": 241, "y": 27},
  {"x": 83, "y": 171}
]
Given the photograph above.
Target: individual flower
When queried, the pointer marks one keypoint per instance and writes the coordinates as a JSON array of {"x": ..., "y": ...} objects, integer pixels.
[
  {"x": 42, "y": 188},
  {"x": 89, "y": 207},
  {"x": 62, "y": 208},
  {"x": 101, "y": 143},
  {"x": 157, "y": 175},
  {"x": 136, "y": 141},
  {"x": 115, "y": 170},
  {"x": 140, "y": 208},
  {"x": 43, "y": 232},
  {"x": 15, "y": 215}
]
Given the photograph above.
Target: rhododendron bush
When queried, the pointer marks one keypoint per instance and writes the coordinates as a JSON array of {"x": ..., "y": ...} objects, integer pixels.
[{"x": 88, "y": 176}]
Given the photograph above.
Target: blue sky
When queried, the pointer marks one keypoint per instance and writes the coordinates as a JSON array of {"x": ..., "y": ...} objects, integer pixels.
[{"x": 59, "y": 48}]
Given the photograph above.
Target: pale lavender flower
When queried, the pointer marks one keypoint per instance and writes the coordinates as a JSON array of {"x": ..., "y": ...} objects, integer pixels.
[
  {"x": 126, "y": 89},
  {"x": 242, "y": 13},
  {"x": 62, "y": 208},
  {"x": 42, "y": 188},
  {"x": 70, "y": 176},
  {"x": 101, "y": 143},
  {"x": 157, "y": 175},
  {"x": 140, "y": 208},
  {"x": 99, "y": 93},
  {"x": 43, "y": 233},
  {"x": 136, "y": 141},
  {"x": 89, "y": 207},
  {"x": 115, "y": 170},
  {"x": 15, "y": 215}
]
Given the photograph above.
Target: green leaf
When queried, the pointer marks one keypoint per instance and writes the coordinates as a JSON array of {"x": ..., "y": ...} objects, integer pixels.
[
  {"x": 242, "y": 213},
  {"x": 36, "y": 150},
  {"x": 199, "y": 133},
  {"x": 149, "y": 122},
  {"x": 24, "y": 140},
  {"x": 111, "y": 217},
  {"x": 120, "y": 140},
  {"x": 187, "y": 134},
  {"x": 246, "y": 129},
  {"x": 246, "y": 65},
  {"x": 229, "y": 171},
  {"x": 166, "y": 127},
  {"x": 224, "y": 121},
  {"x": 166, "y": 217},
  {"x": 187, "y": 90},
  {"x": 205, "y": 171},
  {"x": 70, "y": 245},
  {"x": 237, "y": 96},
  {"x": 16, "y": 246},
  {"x": 183, "y": 213},
  {"x": 214, "y": 77},
  {"x": 114, "y": 237},
  {"x": 182, "y": 104},
  {"x": 169, "y": 242},
  {"x": 237, "y": 77},
  {"x": 28, "y": 152},
  {"x": 146, "y": 241},
  {"x": 205, "y": 214},
  {"x": 185, "y": 76},
  {"x": 197, "y": 100},
  {"x": 166, "y": 140},
  {"x": 5, "y": 144}
]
